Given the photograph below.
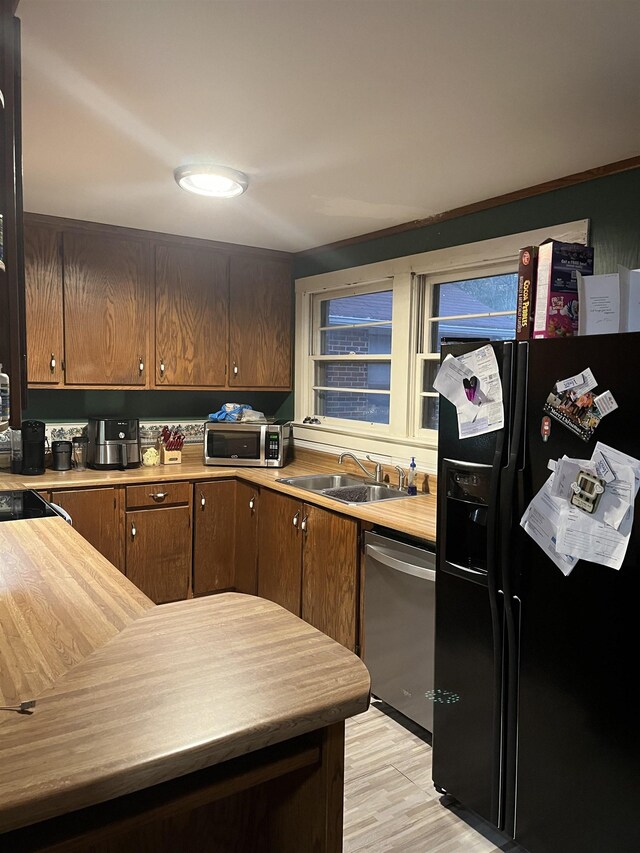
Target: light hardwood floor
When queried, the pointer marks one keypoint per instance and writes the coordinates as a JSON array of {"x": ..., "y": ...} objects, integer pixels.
[{"x": 391, "y": 805}]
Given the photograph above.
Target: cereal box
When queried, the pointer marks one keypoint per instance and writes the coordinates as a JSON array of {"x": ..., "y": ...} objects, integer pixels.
[{"x": 556, "y": 296}]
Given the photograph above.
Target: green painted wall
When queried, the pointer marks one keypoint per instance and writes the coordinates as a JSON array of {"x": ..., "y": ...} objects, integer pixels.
[
  {"x": 612, "y": 204},
  {"x": 178, "y": 405}
]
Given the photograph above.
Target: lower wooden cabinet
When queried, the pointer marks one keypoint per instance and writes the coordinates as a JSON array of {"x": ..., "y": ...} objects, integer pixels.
[
  {"x": 280, "y": 550},
  {"x": 225, "y": 537},
  {"x": 159, "y": 540},
  {"x": 330, "y": 574},
  {"x": 214, "y": 536},
  {"x": 97, "y": 515},
  {"x": 174, "y": 540},
  {"x": 308, "y": 563},
  {"x": 246, "y": 528}
]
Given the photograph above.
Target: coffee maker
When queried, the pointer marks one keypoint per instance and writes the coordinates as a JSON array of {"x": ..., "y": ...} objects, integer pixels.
[
  {"x": 33, "y": 442},
  {"x": 113, "y": 443}
]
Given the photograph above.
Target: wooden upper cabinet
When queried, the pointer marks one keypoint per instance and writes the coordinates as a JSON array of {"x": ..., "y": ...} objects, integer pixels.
[
  {"x": 43, "y": 298},
  {"x": 192, "y": 306},
  {"x": 105, "y": 309},
  {"x": 260, "y": 323}
]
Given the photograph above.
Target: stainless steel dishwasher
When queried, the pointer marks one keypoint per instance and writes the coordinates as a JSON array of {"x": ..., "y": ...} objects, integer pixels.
[{"x": 399, "y": 620}]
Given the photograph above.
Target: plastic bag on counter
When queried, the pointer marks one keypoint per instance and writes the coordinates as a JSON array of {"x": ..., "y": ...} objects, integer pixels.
[
  {"x": 229, "y": 412},
  {"x": 252, "y": 417}
]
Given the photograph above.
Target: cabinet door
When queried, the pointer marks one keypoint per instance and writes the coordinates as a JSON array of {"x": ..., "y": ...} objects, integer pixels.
[
  {"x": 159, "y": 552},
  {"x": 97, "y": 515},
  {"x": 192, "y": 306},
  {"x": 280, "y": 550},
  {"x": 260, "y": 322},
  {"x": 105, "y": 310},
  {"x": 329, "y": 574},
  {"x": 43, "y": 295},
  {"x": 246, "y": 553},
  {"x": 214, "y": 520}
]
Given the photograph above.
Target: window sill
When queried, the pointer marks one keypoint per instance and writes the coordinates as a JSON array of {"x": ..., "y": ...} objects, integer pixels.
[{"x": 395, "y": 449}]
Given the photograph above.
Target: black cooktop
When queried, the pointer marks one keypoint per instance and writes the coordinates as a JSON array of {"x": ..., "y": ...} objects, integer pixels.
[{"x": 23, "y": 503}]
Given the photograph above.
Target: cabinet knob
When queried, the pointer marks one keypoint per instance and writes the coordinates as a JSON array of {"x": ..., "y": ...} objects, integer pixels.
[
  {"x": 203, "y": 500},
  {"x": 52, "y": 363},
  {"x": 158, "y": 496},
  {"x": 133, "y": 531},
  {"x": 303, "y": 525},
  {"x": 235, "y": 369},
  {"x": 252, "y": 502},
  {"x": 141, "y": 364},
  {"x": 295, "y": 518},
  {"x": 162, "y": 368}
]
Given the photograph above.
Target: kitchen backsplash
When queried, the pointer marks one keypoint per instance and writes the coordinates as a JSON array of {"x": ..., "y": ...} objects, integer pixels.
[{"x": 149, "y": 430}]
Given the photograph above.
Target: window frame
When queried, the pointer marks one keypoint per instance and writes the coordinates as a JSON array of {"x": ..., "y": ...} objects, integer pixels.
[
  {"x": 425, "y": 351},
  {"x": 316, "y": 357},
  {"x": 392, "y": 443}
]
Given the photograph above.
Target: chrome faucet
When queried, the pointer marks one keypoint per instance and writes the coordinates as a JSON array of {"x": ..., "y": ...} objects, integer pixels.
[
  {"x": 401, "y": 476},
  {"x": 377, "y": 476}
]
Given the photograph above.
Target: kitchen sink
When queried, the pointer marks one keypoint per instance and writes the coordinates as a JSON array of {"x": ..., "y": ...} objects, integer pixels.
[
  {"x": 364, "y": 493},
  {"x": 344, "y": 488},
  {"x": 320, "y": 482}
]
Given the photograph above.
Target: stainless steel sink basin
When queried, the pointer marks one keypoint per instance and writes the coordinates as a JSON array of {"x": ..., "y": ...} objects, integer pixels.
[
  {"x": 364, "y": 494},
  {"x": 344, "y": 488},
  {"x": 320, "y": 482}
]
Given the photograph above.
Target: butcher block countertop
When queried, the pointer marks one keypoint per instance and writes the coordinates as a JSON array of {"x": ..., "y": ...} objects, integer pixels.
[
  {"x": 130, "y": 694},
  {"x": 413, "y": 515}
]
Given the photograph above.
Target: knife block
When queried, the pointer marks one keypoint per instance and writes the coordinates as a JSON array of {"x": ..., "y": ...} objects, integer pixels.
[{"x": 170, "y": 457}]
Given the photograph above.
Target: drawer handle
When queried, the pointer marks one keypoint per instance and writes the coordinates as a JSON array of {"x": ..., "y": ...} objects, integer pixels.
[
  {"x": 295, "y": 518},
  {"x": 158, "y": 496},
  {"x": 52, "y": 363},
  {"x": 133, "y": 531},
  {"x": 252, "y": 502},
  {"x": 303, "y": 526}
]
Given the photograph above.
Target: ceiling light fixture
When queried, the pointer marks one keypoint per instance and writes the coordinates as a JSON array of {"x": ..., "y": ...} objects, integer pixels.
[{"x": 216, "y": 181}]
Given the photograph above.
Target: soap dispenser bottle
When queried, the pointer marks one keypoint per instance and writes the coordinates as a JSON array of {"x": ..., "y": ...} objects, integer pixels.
[{"x": 412, "y": 489}]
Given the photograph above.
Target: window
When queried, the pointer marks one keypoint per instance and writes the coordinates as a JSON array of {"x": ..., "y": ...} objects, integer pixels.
[
  {"x": 482, "y": 309},
  {"x": 352, "y": 355},
  {"x": 368, "y": 339}
]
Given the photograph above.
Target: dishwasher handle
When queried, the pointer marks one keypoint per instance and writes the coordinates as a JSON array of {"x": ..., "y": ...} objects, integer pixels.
[{"x": 386, "y": 559}]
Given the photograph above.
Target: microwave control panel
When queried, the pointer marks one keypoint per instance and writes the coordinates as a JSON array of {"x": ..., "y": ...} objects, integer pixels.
[{"x": 272, "y": 445}]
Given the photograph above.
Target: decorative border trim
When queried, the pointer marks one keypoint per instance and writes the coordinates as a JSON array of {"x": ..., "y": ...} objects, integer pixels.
[{"x": 149, "y": 431}]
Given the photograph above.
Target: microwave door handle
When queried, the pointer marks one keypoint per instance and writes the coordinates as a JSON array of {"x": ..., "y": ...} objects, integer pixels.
[{"x": 263, "y": 443}]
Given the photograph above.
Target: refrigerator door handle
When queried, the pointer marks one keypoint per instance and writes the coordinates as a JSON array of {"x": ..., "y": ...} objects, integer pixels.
[
  {"x": 508, "y": 499},
  {"x": 465, "y": 572},
  {"x": 495, "y": 570}
]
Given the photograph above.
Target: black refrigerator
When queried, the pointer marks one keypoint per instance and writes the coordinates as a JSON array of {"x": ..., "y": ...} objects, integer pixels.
[{"x": 536, "y": 724}]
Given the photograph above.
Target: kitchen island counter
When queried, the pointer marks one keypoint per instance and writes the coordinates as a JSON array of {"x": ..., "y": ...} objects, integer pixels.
[{"x": 187, "y": 714}]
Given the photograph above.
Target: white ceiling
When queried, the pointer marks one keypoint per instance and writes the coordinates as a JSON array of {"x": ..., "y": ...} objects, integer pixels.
[{"x": 348, "y": 116}]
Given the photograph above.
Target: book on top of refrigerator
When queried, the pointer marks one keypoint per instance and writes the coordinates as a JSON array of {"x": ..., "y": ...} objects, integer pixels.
[{"x": 527, "y": 265}]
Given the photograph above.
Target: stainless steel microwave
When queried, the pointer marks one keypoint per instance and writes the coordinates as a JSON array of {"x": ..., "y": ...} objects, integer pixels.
[{"x": 254, "y": 445}]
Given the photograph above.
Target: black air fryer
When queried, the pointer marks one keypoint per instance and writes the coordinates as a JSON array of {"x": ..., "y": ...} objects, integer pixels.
[{"x": 33, "y": 441}]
